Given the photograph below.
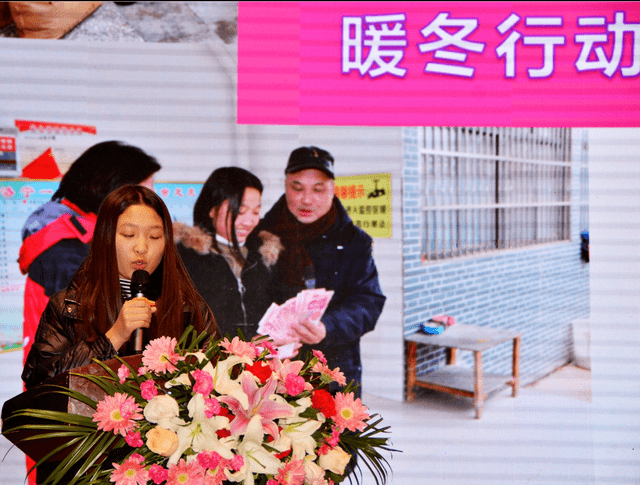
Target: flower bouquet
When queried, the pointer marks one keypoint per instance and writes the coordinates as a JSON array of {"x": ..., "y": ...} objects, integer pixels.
[{"x": 233, "y": 413}]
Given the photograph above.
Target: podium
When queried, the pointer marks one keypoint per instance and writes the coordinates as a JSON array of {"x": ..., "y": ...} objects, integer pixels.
[{"x": 46, "y": 397}]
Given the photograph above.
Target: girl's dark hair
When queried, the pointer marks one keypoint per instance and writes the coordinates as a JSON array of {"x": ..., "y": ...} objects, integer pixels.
[
  {"x": 99, "y": 284},
  {"x": 100, "y": 170},
  {"x": 226, "y": 183}
]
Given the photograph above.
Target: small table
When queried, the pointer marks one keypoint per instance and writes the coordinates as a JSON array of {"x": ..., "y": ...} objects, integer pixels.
[{"x": 456, "y": 380}]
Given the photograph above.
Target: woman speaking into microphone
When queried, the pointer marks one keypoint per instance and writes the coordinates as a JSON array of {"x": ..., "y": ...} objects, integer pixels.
[{"x": 95, "y": 316}]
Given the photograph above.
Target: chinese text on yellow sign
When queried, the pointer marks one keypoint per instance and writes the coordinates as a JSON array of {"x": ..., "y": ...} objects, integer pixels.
[{"x": 367, "y": 199}]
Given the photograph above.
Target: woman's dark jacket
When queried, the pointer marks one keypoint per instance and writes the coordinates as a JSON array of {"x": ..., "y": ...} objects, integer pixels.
[
  {"x": 236, "y": 304},
  {"x": 343, "y": 262},
  {"x": 58, "y": 346}
]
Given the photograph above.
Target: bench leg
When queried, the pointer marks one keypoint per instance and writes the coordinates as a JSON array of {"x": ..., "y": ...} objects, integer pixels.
[
  {"x": 478, "y": 392},
  {"x": 451, "y": 356},
  {"x": 516, "y": 366},
  {"x": 411, "y": 370}
]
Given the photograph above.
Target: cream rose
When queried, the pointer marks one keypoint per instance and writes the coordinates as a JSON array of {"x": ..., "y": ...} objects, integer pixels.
[
  {"x": 162, "y": 441},
  {"x": 161, "y": 408},
  {"x": 335, "y": 461}
]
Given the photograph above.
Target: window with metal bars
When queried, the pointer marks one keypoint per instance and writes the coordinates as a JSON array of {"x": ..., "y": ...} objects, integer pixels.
[{"x": 486, "y": 189}]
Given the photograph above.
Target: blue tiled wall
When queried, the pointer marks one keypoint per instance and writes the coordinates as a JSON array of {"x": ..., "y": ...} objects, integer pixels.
[{"x": 537, "y": 290}]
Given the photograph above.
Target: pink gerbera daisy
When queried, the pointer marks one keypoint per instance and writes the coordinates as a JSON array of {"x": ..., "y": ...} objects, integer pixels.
[
  {"x": 350, "y": 414},
  {"x": 240, "y": 348},
  {"x": 116, "y": 413},
  {"x": 291, "y": 474},
  {"x": 320, "y": 356},
  {"x": 160, "y": 355},
  {"x": 334, "y": 375},
  {"x": 183, "y": 474},
  {"x": 131, "y": 472}
]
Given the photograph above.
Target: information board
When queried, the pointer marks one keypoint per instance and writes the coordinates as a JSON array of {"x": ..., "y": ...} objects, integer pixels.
[{"x": 367, "y": 199}]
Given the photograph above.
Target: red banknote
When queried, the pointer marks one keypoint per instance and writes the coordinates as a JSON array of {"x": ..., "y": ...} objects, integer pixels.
[{"x": 278, "y": 319}]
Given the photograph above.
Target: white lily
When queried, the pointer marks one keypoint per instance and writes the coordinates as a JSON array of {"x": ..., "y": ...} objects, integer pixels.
[
  {"x": 180, "y": 380},
  {"x": 303, "y": 404},
  {"x": 297, "y": 432},
  {"x": 200, "y": 434},
  {"x": 222, "y": 382},
  {"x": 256, "y": 458}
]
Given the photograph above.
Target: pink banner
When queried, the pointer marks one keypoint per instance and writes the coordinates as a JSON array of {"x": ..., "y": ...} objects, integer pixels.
[{"x": 438, "y": 63}]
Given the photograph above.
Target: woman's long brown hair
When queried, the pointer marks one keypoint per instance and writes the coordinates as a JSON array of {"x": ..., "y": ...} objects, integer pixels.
[{"x": 99, "y": 287}]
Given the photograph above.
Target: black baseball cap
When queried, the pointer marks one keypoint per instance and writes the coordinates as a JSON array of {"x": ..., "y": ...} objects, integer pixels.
[{"x": 310, "y": 157}]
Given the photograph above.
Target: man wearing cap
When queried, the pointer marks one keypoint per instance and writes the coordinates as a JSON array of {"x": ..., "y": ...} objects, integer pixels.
[{"x": 324, "y": 249}]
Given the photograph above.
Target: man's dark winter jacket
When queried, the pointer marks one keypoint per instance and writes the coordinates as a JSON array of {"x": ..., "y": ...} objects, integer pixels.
[{"x": 343, "y": 262}]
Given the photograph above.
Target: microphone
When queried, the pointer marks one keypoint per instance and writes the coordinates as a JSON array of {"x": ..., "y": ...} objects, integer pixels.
[{"x": 139, "y": 287}]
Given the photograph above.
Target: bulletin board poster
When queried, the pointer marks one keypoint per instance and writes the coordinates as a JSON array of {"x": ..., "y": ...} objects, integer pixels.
[
  {"x": 18, "y": 199},
  {"x": 367, "y": 200},
  {"x": 62, "y": 142},
  {"x": 179, "y": 199}
]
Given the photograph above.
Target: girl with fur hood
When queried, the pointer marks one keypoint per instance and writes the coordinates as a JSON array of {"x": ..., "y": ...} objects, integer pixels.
[{"x": 232, "y": 271}]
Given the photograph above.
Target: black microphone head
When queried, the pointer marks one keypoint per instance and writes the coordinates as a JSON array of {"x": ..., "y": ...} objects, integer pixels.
[{"x": 139, "y": 283}]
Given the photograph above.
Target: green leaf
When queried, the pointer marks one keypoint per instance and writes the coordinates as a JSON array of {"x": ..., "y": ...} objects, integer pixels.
[
  {"x": 56, "y": 416},
  {"x": 101, "y": 447}
]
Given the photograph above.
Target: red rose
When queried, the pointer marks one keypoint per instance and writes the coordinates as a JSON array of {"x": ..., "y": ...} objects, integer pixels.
[
  {"x": 261, "y": 370},
  {"x": 323, "y": 402}
]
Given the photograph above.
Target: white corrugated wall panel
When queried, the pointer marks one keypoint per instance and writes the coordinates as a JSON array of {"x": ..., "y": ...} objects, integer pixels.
[
  {"x": 614, "y": 236},
  {"x": 175, "y": 101}
]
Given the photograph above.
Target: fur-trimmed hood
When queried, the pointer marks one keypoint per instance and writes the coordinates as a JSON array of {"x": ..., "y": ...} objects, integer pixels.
[{"x": 198, "y": 240}]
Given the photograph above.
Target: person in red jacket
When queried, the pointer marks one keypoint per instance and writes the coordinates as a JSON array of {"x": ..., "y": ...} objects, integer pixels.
[{"x": 56, "y": 236}]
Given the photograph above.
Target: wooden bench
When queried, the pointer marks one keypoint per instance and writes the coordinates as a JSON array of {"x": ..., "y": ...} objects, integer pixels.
[{"x": 473, "y": 383}]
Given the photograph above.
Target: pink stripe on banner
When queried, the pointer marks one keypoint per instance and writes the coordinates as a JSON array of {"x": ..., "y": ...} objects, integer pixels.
[
  {"x": 290, "y": 62},
  {"x": 269, "y": 62}
]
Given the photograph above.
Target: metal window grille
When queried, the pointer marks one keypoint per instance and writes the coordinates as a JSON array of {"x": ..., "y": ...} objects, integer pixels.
[{"x": 486, "y": 189}]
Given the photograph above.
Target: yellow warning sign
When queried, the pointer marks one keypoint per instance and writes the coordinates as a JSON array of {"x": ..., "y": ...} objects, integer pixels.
[{"x": 367, "y": 199}]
